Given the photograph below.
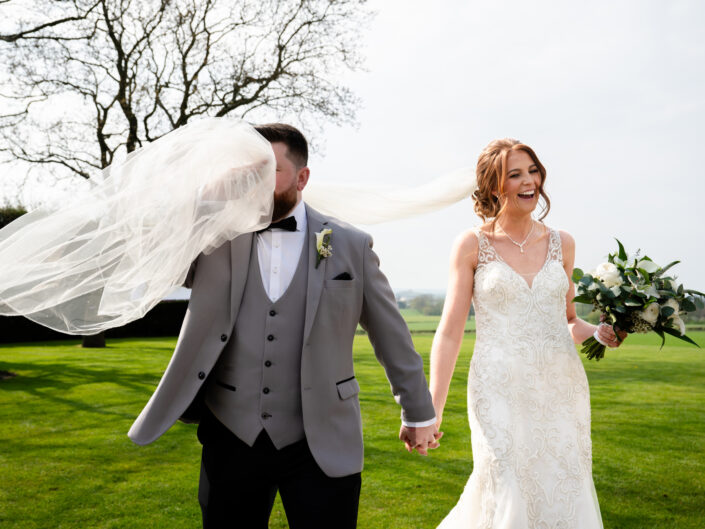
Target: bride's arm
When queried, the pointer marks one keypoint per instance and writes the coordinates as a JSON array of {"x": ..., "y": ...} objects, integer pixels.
[
  {"x": 581, "y": 330},
  {"x": 451, "y": 329}
]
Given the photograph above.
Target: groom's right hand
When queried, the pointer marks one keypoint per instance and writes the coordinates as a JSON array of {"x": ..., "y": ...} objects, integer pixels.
[{"x": 420, "y": 439}]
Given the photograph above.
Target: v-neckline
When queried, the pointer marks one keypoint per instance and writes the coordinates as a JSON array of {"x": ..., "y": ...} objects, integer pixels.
[{"x": 520, "y": 276}]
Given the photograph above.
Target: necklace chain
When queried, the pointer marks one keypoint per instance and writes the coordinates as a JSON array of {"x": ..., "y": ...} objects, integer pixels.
[{"x": 519, "y": 244}]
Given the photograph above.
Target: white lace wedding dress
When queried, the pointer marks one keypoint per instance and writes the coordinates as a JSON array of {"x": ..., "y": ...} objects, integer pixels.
[{"x": 528, "y": 405}]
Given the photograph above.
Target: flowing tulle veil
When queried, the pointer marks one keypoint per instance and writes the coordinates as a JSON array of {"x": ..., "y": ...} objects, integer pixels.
[{"x": 110, "y": 254}]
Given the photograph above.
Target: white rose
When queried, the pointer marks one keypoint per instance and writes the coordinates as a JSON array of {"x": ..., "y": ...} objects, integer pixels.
[
  {"x": 650, "y": 313},
  {"x": 677, "y": 323},
  {"x": 675, "y": 319},
  {"x": 674, "y": 305},
  {"x": 609, "y": 274}
]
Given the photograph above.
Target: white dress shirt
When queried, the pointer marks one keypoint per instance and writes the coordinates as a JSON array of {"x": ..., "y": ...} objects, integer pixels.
[{"x": 279, "y": 252}]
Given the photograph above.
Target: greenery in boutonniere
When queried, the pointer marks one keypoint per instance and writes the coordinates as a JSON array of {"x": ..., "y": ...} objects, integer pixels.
[
  {"x": 634, "y": 294},
  {"x": 323, "y": 247}
]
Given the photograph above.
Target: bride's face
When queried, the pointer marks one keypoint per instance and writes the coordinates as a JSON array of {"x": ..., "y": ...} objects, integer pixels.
[{"x": 522, "y": 183}]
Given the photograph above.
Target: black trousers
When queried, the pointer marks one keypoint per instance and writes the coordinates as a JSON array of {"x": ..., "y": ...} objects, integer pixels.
[{"x": 238, "y": 484}]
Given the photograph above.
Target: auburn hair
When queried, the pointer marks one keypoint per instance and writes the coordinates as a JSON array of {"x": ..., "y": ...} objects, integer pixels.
[{"x": 491, "y": 173}]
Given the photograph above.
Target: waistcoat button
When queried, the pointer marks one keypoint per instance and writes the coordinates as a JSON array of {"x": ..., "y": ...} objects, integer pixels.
[
  {"x": 268, "y": 363},
  {"x": 265, "y": 390},
  {"x": 272, "y": 312},
  {"x": 270, "y": 337}
]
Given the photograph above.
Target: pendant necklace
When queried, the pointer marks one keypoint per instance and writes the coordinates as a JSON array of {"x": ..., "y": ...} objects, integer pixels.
[{"x": 521, "y": 244}]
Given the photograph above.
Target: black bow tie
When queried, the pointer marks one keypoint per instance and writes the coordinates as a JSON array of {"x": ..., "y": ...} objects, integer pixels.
[{"x": 288, "y": 224}]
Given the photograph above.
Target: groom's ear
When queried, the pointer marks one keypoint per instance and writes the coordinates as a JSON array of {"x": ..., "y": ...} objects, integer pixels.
[{"x": 302, "y": 178}]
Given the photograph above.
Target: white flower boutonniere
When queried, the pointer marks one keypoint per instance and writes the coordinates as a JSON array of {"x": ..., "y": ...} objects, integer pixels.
[{"x": 323, "y": 247}]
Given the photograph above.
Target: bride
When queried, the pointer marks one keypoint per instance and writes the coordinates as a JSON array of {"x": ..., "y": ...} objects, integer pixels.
[{"x": 528, "y": 396}]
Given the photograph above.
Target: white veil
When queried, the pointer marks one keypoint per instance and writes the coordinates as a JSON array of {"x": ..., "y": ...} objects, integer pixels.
[
  {"x": 372, "y": 205},
  {"x": 110, "y": 254}
]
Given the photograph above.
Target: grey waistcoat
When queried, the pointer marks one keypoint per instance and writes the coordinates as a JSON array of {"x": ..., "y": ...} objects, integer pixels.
[{"x": 256, "y": 383}]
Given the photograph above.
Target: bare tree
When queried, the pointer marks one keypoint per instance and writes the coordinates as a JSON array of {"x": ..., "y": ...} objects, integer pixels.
[
  {"x": 82, "y": 80},
  {"x": 130, "y": 71}
]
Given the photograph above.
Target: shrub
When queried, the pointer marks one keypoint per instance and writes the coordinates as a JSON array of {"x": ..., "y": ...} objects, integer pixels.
[{"x": 10, "y": 213}]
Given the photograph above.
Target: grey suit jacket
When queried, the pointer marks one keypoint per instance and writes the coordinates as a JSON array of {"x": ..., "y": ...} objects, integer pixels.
[{"x": 329, "y": 390}]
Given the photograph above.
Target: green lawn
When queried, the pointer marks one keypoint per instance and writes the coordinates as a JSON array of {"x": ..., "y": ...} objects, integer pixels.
[{"x": 67, "y": 463}]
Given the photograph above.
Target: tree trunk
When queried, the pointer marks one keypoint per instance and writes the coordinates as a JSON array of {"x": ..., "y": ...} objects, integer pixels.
[{"x": 96, "y": 340}]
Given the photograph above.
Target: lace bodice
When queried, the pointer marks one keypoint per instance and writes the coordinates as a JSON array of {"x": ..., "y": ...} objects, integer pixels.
[
  {"x": 528, "y": 403},
  {"x": 507, "y": 305}
]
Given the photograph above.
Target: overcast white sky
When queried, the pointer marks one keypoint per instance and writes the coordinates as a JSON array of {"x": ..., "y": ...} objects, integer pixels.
[{"x": 610, "y": 94}]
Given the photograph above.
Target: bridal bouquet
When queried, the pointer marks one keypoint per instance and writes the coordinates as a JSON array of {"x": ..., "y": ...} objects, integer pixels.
[{"x": 634, "y": 294}]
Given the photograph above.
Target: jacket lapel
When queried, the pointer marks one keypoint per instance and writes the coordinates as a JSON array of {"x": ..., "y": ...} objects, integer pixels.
[
  {"x": 240, "y": 251},
  {"x": 316, "y": 222}
]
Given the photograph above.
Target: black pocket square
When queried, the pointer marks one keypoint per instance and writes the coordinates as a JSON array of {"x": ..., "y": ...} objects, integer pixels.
[{"x": 343, "y": 277}]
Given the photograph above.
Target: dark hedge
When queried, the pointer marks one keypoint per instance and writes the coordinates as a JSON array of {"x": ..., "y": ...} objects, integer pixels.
[{"x": 163, "y": 320}]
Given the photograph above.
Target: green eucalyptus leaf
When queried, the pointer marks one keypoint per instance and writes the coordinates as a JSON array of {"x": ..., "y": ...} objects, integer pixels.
[
  {"x": 663, "y": 337},
  {"x": 622, "y": 254},
  {"x": 669, "y": 265},
  {"x": 688, "y": 305},
  {"x": 667, "y": 311},
  {"x": 694, "y": 292},
  {"x": 577, "y": 274},
  {"x": 678, "y": 335},
  {"x": 583, "y": 299}
]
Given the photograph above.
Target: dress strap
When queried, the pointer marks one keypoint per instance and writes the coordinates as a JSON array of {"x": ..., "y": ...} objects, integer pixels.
[
  {"x": 555, "y": 251},
  {"x": 486, "y": 252}
]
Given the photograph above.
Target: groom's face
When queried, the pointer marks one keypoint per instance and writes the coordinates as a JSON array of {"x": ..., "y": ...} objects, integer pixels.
[{"x": 291, "y": 180}]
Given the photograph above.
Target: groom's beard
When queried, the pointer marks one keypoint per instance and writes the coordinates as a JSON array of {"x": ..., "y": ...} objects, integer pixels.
[{"x": 284, "y": 202}]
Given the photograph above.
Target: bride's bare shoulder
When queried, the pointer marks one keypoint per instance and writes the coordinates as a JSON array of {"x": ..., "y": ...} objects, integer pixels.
[
  {"x": 466, "y": 246},
  {"x": 567, "y": 240}
]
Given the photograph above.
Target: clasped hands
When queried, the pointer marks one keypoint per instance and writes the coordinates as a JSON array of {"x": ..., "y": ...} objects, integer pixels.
[{"x": 420, "y": 439}]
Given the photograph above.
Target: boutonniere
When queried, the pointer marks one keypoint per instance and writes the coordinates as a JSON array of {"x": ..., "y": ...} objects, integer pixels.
[{"x": 323, "y": 247}]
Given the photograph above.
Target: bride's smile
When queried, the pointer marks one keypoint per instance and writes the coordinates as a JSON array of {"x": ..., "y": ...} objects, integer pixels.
[{"x": 522, "y": 183}]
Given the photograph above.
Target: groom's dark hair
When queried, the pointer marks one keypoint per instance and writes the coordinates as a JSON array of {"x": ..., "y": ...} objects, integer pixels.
[{"x": 289, "y": 136}]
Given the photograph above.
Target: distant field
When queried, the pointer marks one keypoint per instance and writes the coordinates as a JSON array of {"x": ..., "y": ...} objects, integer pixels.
[
  {"x": 418, "y": 322},
  {"x": 67, "y": 463}
]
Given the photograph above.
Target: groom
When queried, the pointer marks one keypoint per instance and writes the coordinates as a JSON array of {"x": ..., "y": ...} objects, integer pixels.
[{"x": 264, "y": 361}]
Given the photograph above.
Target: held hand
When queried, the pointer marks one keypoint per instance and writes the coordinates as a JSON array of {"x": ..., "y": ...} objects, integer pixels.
[{"x": 420, "y": 439}]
